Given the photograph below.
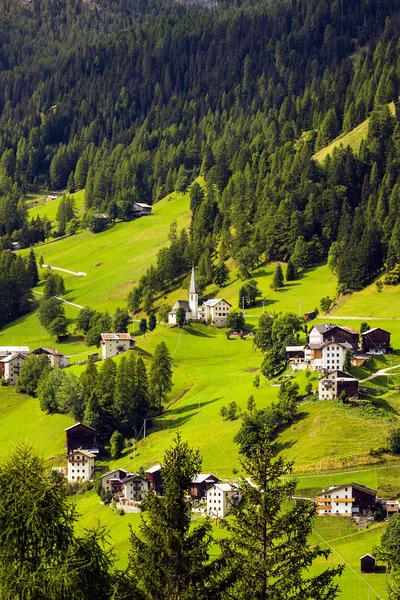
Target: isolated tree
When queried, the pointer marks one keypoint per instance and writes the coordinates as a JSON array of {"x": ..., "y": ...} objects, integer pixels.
[
  {"x": 163, "y": 312},
  {"x": 394, "y": 440},
  {"x": 59, "y": 326},
  {"x": 301, "y": 256},
  {"x": 290, "y": 271},
  {"x": 54, "y": 286},
  {"x": 277, "y": 279},
  {"x": 364, "y": 327},
  {"x": 41, "y": 556},
  {"x": 143, "y": 326},
  {"x": 83, "y": 320},
  {"x": 121, "y": 320},
  {"x": 235, "y": 321},
  {"x": 268, "y": 545},
  {"x": 274, "y": 362},
  {"x": 48, "y": 389},
  {"x": 325, "y": 304},
  {"x": 32, "y": 369},
  {"x": 170, "y": 557},
  {"x": 161, "y": 374},
  {"x": 152, "y": 322},
  {"x": 180, "y": 316},
  {"x": 117, "y": 443},
  {"x": 32, "y": 270}
]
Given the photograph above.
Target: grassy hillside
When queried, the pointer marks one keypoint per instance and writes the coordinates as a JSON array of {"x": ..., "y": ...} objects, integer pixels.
[
  {"x": 41, "y": 207},
  {"x": 352, "y": 139}
]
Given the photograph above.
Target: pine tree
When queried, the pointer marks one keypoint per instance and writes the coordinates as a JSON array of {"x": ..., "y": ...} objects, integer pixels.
[
  {"x": 290, "y": 271},
  {"x": 221, "y": 274},
  {"x": 117, "y": 443},
  {"x": 161, "y": 374},
  {"x": 277, "y": 280},
  {"x": 170, "y": 558},
  {"x": 152, "y": 322},
  {"x": 268, "y": 544},
  {"x": 105, "y": 391},
  {"x": 32, "y": 270},
  {"x": 180, "y": 316},
  {"x": 124, "y": 396},
  {"x": 121, "y": 320},
  {"x": 141, "y": 403}
]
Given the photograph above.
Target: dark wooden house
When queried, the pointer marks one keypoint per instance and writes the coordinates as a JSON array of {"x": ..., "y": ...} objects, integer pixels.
[
  {"x": 376, "y": 340},
  {"x": 155, "y": 480},
  {"x": 200, "y": 484},
  {"x": 341, "y": 335},
  {"x": 367, "y": 564},
  {"x": 80, "y": 436}
]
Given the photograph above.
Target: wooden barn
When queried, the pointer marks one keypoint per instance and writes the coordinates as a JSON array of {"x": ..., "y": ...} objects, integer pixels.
[
  {"x": 376, "y": 340},
  {"x": 80, "y": 436},
  {"x": 342, "y": 335},
  {"x": 154, "y": 478},
  {"x": 367, "y": 564}
]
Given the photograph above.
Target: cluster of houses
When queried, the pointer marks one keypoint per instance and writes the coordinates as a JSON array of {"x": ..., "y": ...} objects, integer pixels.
[
  {"x": 11, "y": 358},
  {"x": 213, "y": 311},
  {"x": 326, "y": 352},
  {"x": 130, "y": 488}
]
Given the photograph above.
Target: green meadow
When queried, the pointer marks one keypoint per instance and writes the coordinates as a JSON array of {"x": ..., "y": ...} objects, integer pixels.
[{"x": 49, "y": 209}]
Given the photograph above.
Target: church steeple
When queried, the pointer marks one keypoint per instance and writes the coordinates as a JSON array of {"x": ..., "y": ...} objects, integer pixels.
[{"x": 193, "y": 296}]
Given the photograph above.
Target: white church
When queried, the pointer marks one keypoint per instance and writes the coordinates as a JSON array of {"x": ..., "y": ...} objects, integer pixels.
[{"x": 212, "y": 311}]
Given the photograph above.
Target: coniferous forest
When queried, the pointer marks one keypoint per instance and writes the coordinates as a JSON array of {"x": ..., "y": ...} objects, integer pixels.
[{"x": 131, "y": 100}]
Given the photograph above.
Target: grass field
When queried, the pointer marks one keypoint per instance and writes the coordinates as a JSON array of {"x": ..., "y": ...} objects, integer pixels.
[
  {"x": 352, "y": 139},
  {"x": 49, "y": 209}
]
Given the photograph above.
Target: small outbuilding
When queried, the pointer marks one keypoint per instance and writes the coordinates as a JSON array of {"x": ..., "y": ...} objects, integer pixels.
[
  {"x": 367, "y": 564},
  {"x": 376, "y": 341}
]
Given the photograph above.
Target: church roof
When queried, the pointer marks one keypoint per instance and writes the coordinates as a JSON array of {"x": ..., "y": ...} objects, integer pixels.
[
  {"x": 193, "y": 283},
  {"x": 181, "y": 303}
]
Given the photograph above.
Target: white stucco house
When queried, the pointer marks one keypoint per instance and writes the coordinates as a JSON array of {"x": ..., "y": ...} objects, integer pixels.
[
  {"x": 113, "y": 344},
  {"x": 347, "y": 500},
  {"x": 327, "y": 356},
  {"x": 56, "y": 358},
  {"x": 220, "y": 499},
  {"x": 213, "y": 311},
  {"x": 80, "y": 465},
  {"x": 9, "y": 367},
  {"x": 134, "y": 487}
]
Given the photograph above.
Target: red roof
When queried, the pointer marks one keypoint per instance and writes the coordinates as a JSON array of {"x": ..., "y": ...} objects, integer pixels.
[
  {"x": 53, "y": 352},
  {"x": 116, "y": 336}
]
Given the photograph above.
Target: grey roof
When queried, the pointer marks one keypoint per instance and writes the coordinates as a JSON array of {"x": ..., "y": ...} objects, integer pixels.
[
  {"x": 295, "y": 348},
  {"x": 201, "y": 477},
  {"x": 4, "y": 350},
  {"x": 76, "y": 425},
  {"x": 143, "y": 205},
  {"x": 374, "y": 329},
  {"x": 322, "y": 328},
  {"x": 318, "y": 346},
  {"x": 181, "y": 304},
  {"x": 214, "y": 302},
  {"x": 193, "y": 283},
  {"x": 154, "y": 469},
  {"x": 113, "y": 471},
  {"x": 11, "y": 357},
  {"x": 362, "y": 488}
]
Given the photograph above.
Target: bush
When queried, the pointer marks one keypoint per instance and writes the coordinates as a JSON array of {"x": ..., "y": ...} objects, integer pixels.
[{"x": 394, "y": 441}]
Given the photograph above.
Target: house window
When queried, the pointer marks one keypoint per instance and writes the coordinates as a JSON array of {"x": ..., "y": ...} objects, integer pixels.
[{"x": 345, "y": 489}]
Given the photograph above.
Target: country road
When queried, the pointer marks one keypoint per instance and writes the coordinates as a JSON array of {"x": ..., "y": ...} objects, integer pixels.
[
  {"x": 62, "y": 300},
  {"x": 79, "y": 274},
  {"x": 379, "y": 373},
  {"x": 338, "y": 318}
]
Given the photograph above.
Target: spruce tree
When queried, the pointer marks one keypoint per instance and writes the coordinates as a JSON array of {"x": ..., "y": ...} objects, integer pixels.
[
  {"x": 277, "y": 280},
  {"x": 141, "y": 404},
  {"x": 170, "y": 558},
  {"x": 152, "y": 322},
  {"x": 268, "y": 545},
  {"x": 124, "y": 394},
  {"x": 105, "y": 391},
  {"x": 32, "y": 270},
  {"x": 290, "y": 271},
  {"x": 161, "y": 374}
]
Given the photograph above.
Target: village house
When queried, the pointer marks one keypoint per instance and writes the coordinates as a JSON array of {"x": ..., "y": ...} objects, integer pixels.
[
  {"x": 321, "y": 334},
  {"x": 331, "y": 386},
  {"x": 200, "y": 484},
  {"x": 112, "y": 481},
  {"x": 15, "y": 246},
  {"x": 392, "y": 507},
  {"x": 349, "y": 499},
  {"x": 140, "y": 209},
  {"x": 80, "y": 466},
  {"x": 81, "y": 436},
  {"x": 9, "y": 367},
  {"x": 8, "y": 350},
  {"x": 154, "y": 479},
  {"x": 134, "y": 487},
  {"x": 376, "y": 341},
  {"x": 56, "y": 358},
  {"x": 113, "y": 344},
  {"x": 213, "y": 311},
  {"x": 220, "y": 499},
  {"x": 328, "y": 356}
]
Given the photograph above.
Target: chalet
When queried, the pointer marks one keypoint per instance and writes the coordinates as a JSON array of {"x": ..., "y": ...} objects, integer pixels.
[
  {"x": 392, "y": 507},
  {"x": 113, "y": 344},
  {"x": 8, "y": 350},
  {"x": 134, "y": 487},
  {"x": 140, "y": 209},
  {"x": 220, "y": 499},
  {"x": 112, "y": 481},
  {"x": 376, "y": 340},
  {"x": 81, "y": 436},
  {"x": 200, "y": 484},
  {"x": 331, "y": 386},
  {"x": 9, "y": 367},
  {"x": 50, "y": 197},
  {"x": 328, "y": 356},
  {"x": 213, "y": 311},
  {"x": 295, "y": 356},
  {"x": 321, "y": 334},
  {"x": 154, "y": 479},
  {"x": 80, "y": 465},
  {"x": 349, "y": 499},
  {"x": 367, "y": 564},
  {"x": 56, "y": 358},
  {"x": 16, "y": 246}
]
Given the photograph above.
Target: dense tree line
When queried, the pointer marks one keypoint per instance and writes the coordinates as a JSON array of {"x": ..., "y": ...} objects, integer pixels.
[
  {"x": 17, "y": 276},
  {"x": 266, "y": 553},
  {"x": 135, "y": 100}
]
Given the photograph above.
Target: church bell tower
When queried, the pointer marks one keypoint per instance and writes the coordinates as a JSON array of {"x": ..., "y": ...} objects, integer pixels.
[{"x": 193, "y": 296}]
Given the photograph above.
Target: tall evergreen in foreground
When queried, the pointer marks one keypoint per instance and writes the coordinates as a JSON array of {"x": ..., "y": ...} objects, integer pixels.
[
  {"x": 170, "y": 559},
  {"x": 268, "y": 542}
]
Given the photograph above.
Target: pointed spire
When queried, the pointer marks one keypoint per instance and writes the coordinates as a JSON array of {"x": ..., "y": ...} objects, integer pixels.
[{"x": 193, "y": 283}]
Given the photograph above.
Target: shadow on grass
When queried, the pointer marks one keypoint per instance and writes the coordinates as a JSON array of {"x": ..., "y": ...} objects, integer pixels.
[
  {"x": 71, "y": 339},
  {"x": 194, "y": 406},
  {"x": 197, "y": 333},
  {"x": 143, "y": 353},
  {"x": 22, "y": 319}
]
